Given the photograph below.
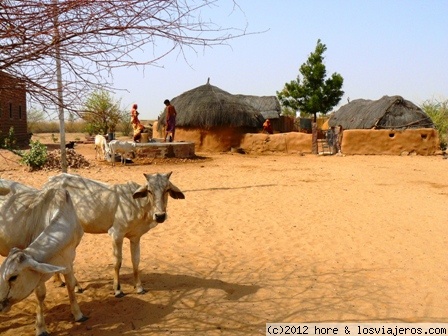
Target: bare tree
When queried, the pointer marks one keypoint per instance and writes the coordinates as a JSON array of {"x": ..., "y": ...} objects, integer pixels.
[{"x": 91, "y": 38}]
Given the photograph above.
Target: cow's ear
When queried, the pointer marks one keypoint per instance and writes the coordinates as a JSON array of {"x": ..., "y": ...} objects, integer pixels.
[
  {"x": 48, "y": 268},
  {"x": 140, "y": 192},
  {"x": 43, "y": 267},
  {"x": 4, "y": 191},
  {"x": 175, "y": 192}
]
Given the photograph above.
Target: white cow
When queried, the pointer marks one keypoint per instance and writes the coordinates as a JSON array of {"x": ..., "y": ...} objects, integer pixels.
[
  {"x": 101, "y": 147},
  {"x": 14, "y": 186},
  {"x": 40, "y": 231},
  {"x": 123, "y": 210},
  {"x": 124, "y": 148}
]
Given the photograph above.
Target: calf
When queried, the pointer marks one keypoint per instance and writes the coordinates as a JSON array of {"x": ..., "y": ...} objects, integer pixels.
[
  {"x": 123, "y": 210},
  {"x": 124, "y": 148},
  {"x": 40, "y": 231},
  {"x": 101, "y": 147}
]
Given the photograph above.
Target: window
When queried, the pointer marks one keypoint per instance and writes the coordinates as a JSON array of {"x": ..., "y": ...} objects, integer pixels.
[
  {"x": 20, "y": 111},
  {"x": 10, "y": 110}
]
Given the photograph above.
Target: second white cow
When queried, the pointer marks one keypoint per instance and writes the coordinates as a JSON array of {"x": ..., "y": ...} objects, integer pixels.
[
  {"x": 39, "y": 233},
  {"x": 126, "y": 210},
  {"x": 124, "y": 148}
]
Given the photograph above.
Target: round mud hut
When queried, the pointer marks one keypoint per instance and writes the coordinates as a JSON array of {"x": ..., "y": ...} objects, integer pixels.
[
  {"x": 212, "y": 118},
  {"x": 390, "y": 125}
]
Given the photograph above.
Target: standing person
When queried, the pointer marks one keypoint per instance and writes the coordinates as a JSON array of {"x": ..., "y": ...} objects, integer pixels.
[
  {"x": 331, "y": 140},
  {"x": 136, "y": 125},
  {"x": 339, "y": 139},
  {"x": 267, "y": 126},
  {"x": 171, "y": 113}
]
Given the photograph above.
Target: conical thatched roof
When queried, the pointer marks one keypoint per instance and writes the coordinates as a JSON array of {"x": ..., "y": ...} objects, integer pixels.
[
  {"x": 386, "y": 113},
  {"x": 208, "y": 106}
]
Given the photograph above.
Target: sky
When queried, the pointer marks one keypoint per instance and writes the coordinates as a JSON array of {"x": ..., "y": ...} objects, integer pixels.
[{"x": 380, "y": 47}]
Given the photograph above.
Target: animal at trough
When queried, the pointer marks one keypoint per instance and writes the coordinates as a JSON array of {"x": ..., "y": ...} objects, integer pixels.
[
  {"x": 126, "y": 210},
  {"x": 101, "y": 147},
  {"x": 124, "y": 148},
  {"x": 39, "y": 233}
]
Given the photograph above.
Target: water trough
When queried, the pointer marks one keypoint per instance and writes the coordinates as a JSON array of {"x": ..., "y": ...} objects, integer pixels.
[{"x": 159, "y": 149}]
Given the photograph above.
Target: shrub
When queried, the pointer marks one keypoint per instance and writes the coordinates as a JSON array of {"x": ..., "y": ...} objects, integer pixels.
[
  {"x": 36, "y": 157},
  {"x": 8, "y": 142},
  {"x": 438, "y": 112}
]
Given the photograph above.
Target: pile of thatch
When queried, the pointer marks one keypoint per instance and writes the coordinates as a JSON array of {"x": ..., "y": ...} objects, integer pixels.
[
  {"x": 386, "y": 113},
  {"x": 208, "y": 106}
]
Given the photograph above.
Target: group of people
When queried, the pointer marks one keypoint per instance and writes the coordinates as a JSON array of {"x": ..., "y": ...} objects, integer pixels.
[{"x": 170, "y": 128}]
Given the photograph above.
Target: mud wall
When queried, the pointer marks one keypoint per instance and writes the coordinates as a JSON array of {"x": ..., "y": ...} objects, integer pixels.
[
  {"x": 293, "y": 142},
  {"x": 424, "y": 141},
  {"x": 216, "y": 140}
]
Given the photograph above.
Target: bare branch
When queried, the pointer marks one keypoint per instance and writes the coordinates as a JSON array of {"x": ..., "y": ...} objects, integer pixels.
[{"x": 94, "y": 37}]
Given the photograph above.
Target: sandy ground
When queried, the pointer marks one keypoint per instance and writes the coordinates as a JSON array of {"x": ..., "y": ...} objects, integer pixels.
[{"x": 278, "y": 238}]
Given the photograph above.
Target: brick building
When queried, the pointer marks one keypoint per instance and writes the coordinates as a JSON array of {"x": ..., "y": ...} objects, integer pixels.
[{"x": 13, "y": 108}]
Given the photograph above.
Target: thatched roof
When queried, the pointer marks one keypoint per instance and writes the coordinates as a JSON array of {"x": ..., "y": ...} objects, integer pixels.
[
  {"x": 268, "y": 106},
  {"x": 208, "y": 106},
  {"x": 386, "y": 113}
]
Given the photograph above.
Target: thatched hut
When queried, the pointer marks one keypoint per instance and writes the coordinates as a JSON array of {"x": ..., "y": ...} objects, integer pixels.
[
  {"x": 212, "y": 118},
  {"x": 386, "y": 113},
  {"x": 390, "y": 125}
]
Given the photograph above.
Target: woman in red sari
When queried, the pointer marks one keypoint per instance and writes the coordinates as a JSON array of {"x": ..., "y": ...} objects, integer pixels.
[{"x": 136, "y": 125}]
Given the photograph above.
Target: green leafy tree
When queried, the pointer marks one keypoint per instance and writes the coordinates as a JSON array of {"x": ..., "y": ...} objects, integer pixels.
[
  {"x": 313, "y": 93},
  {"x": 438, "y": 112},
  {"x": 101, "y": 113},
  {"x": 125, "y": 125}
]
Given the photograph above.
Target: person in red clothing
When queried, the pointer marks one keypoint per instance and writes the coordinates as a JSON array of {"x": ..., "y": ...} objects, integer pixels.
[
  {"x": 267, "y": 126},
  {"x": 136, "y": 125},
  {"x": 171, "y": 113}
]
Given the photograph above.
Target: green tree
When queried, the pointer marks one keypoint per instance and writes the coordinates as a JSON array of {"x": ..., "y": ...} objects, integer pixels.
[
  {"x": 313, "y": 93},
  {"x": 101, "y": 112},
  {"x": 438, "y": 112}
]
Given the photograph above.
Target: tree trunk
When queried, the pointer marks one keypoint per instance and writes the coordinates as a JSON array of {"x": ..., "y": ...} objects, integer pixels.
[{"x": 314, "y": 148}]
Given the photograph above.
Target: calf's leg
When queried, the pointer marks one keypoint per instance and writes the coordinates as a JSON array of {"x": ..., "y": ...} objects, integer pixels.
[
  {"x": 41, "y": 292},
  {"x": 71, "y": 282},
  {"x": 135, "y": 256},
  {"x": 117, "y": 244}
]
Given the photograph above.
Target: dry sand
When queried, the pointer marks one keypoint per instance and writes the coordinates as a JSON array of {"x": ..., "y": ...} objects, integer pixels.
[{"x": 278, "y": 238}]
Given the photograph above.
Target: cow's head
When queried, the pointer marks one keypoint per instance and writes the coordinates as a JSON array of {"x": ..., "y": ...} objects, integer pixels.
[
  {"x": 19, "y": 276},
  {"x": 158, "y": 187}
]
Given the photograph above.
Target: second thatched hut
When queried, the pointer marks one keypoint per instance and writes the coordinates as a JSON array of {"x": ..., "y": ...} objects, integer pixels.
[
  {"x": 390, "y": 125},
  {"x": 212, "y": 118}
]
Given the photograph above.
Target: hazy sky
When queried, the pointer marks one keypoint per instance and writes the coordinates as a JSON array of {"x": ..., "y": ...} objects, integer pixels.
[{"x": 380, "y": 47}]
